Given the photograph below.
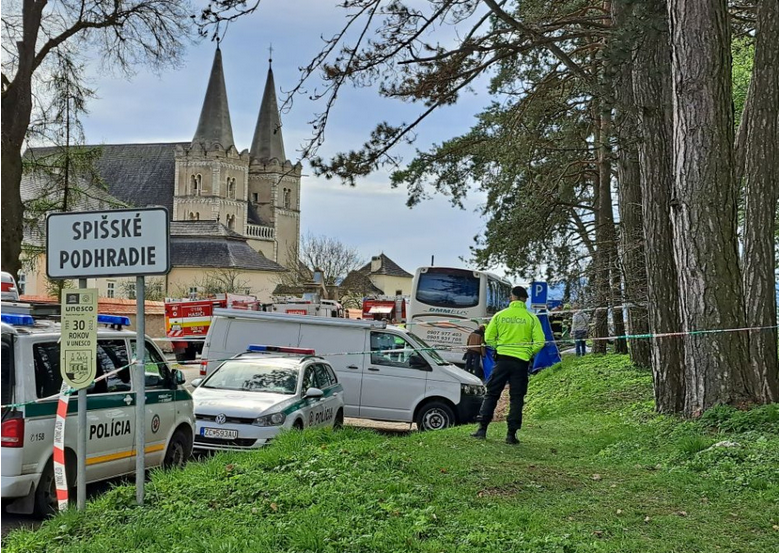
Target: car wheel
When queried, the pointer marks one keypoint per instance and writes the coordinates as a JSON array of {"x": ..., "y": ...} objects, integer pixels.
[
  {"x": 339, "y": 419},
  {"x": 178, "y": 451},
  {"x": 298, "y": 425},
  {"x": 46, "y": 493},
  {"x": 435, "y": 416}
]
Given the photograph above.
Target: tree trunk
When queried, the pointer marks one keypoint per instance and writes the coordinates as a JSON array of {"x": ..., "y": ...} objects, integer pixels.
[
  {"x": 704, "y": 207},
  {"x": 604, "y": 228},
  {"x": 653, "y": 98},
  {"x": 761, "y": 200}
]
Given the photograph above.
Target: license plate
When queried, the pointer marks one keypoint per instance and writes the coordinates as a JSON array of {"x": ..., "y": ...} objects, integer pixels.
[{"x": 227, "y": 434}]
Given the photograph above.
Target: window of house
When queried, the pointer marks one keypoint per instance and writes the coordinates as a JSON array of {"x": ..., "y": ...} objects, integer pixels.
[
  {"x": 193, "y": 291},
  {"x": 131, "y": 290},
  {"x": 110, "y": 289}
]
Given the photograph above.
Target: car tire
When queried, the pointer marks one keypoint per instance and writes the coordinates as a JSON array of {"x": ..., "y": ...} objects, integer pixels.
[
  {"x": 46, "y": 493},
  {"x": 298, "y": 425},
  {"x": 178, "y": 451},
  {"x": 338, "y": 419},
  {"x": 435, "y": 416}
]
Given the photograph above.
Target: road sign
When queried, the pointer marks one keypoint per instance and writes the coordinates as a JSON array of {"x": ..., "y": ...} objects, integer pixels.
[
  {"x": 78, "y": 342},
  {"x": 107, "y": 243},
  {"x": 538, "y": 294}
]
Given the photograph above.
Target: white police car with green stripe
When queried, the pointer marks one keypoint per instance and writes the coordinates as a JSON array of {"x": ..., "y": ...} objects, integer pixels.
[
  {"x": 31, "y": 381},
  {"x": 251, "y": 397}
]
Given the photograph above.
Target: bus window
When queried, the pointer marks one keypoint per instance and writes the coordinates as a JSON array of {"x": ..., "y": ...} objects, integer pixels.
[{"x": 448, "y": 289}]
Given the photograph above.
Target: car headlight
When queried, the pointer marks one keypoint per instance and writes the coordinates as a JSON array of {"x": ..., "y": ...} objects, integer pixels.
[
  {"x": 271, "y": 420},
  {"x": 473, "y": 389}
]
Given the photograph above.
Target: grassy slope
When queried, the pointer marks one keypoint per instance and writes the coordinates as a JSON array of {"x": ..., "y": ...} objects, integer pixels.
[{"x": 598, "y": 471}]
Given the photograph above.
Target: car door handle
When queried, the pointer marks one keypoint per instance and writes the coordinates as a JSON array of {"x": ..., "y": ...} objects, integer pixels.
[
  {"x": 352, "y": 367},
  {"x": 373, "y": 369}
]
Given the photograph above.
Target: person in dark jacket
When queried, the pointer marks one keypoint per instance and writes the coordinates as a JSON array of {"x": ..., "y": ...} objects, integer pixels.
[{"x": 474, "y": 353}]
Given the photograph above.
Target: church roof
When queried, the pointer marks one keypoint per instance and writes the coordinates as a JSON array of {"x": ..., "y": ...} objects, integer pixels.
[
  {"x": 388, "y": 268},
  {"x": 214, "y": 125},
  {"x": 268, "y": 137},
  {"x": 210, "y": 244}
]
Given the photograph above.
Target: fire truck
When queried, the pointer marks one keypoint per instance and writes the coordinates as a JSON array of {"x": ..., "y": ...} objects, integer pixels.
[
  {"x": 187, "y": 320},
  {"x": 391, "y": 309}
]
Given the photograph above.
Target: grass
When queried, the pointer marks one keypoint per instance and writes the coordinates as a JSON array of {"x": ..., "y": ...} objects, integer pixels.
[{"x": 598, "y": 471}]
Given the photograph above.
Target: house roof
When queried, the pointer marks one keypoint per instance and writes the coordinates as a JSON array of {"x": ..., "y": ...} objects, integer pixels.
[
  {"x": 214, "y": 124},
  {"x": 212, "y": 245},
  {"x": 357, "y": 281},
  {"x": 106, "y": 305},
  {"x": 388, "y": 268}
]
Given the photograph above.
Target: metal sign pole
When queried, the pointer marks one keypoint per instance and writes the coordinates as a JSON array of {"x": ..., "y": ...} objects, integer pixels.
[
  {"x": 140, "y": 401},
  {"x": 81, "y": 441}
]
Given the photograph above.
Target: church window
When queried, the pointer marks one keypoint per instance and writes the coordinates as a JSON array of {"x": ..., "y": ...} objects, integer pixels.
[
  {"x": 196, "y": 184},
  {"x": 287, "y": 198},
  {"x": 198, "y": 216},
  {"x": 230, "y": 187},
  {"x": 255, "y": 197},
  {"x": 192, "y": 216},
  {"x": 230, "y": 221}
]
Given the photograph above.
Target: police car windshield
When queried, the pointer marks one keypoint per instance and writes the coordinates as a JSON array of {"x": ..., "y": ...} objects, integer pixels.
[
  {"x": 421, "y": 344},
  {"x": 254, "y": 377}
]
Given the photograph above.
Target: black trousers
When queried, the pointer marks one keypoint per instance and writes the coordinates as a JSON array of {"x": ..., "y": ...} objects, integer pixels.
[{"x": 514, "y": 372}]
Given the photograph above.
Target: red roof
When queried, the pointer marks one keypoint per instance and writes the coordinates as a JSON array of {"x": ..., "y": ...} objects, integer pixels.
[{"x": 107, "y": 305}]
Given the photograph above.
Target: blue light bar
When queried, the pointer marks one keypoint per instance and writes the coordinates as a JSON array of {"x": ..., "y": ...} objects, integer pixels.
[
  {"x": 258, "y": 348},
  {"x": 113, "y": 319},
  {"x": 18, "y": 320}
]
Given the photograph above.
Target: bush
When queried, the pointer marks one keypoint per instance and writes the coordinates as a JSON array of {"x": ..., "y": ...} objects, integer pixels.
[{"x": 725, "y": 418}]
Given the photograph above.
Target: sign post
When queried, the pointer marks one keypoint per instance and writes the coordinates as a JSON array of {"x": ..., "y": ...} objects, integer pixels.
[
  {"x": 97, "y": 244},
  {"x": 538, "y": 295}
]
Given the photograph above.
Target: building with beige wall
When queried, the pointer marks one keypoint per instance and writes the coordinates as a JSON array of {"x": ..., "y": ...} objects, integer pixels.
[{"x": 234, "y": 214}]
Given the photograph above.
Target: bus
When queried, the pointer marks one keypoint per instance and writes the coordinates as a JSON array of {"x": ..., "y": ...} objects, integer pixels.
[{"x": 447, "y": 304}]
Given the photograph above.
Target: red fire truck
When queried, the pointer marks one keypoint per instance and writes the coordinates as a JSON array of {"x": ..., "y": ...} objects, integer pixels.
[
  {"x": 391, "y": 309},
  {"x": 187, "y": 320}
]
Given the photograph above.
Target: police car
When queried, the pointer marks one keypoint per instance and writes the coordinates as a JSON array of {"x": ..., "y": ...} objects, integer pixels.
[
  {"x": 31, "y": 372},
  {"x": 251, "y": 397}
]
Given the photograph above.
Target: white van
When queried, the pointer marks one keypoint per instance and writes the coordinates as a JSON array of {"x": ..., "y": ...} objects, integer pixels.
[{"x": 388, "y": 374}]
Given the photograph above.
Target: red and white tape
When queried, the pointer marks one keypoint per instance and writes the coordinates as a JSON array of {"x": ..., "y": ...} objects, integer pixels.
[{"x": 60, "y": 479}]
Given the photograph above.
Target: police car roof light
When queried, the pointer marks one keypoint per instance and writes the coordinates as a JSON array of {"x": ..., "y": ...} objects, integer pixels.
[
  {"x": 18, "y": 320},
  {"x": 113, "y": 319},
  {"x": 279, "y": 349}
]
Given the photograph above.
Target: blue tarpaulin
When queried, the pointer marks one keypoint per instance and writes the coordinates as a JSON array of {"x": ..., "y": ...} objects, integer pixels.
[{"x": 548, "y": 356}]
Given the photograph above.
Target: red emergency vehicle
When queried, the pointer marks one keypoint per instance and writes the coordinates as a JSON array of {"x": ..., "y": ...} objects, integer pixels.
[{"x": 384, "y": 308}]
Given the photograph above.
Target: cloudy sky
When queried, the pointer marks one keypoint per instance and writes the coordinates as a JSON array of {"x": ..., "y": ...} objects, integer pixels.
[{"x": 372, "y": 217}]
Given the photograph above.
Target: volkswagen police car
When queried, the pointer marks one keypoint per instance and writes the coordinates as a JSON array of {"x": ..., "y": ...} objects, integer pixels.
[
  {"x": 251, "y": 397},
  {"x": 31, "y": 380}
]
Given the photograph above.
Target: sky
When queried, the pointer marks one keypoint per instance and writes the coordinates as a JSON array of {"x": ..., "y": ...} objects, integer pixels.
[{"x": 372, "y": 217}]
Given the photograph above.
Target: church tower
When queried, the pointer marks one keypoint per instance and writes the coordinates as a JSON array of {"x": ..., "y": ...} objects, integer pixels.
[
  {"x": 274, "y": 183},
  {"x": 211, "y": 176}
]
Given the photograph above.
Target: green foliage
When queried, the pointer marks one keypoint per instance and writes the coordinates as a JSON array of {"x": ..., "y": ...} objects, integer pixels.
[
  {"x": 598, "y": 471},
  {"x": 725, "y": 418},
  {"x": 742, "y": 51}
]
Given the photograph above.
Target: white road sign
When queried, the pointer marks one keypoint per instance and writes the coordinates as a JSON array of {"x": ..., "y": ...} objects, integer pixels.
[
  {"x": 108, "y": 243},
  {"x": 79, "y": 340}
]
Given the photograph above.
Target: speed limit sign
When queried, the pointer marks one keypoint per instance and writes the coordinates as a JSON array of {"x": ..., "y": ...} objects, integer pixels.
[{"x": 78, "y": 343}]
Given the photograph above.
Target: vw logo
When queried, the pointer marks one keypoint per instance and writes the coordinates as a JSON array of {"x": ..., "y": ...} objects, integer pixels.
[{"x": 220, "y": 419}]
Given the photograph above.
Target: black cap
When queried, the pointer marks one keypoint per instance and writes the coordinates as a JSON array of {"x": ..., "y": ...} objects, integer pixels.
[{"x": 519, "y": 291}]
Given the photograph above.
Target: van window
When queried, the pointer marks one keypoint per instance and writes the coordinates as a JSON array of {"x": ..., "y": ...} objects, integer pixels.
[
  {"x": 156, "y": 372},
  {"x": 7, "y": 386},
  {"x": 381, "y": 341},
  {"x": 325, "y": 380},
  {"x": 111, "y": 355}
]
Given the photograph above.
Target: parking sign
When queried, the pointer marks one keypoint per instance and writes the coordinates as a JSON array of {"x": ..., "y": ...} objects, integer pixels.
[{"x": 538, "y": 294}]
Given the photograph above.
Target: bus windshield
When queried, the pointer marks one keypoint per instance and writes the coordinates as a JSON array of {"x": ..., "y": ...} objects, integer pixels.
[{"x": 448, "y": 288}]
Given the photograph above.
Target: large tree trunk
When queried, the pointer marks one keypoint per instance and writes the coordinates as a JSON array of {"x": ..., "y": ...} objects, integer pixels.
[
  {"x": 17, "y": 106},
  {"x": 604, "y": 229},
  {"x": 704, "y": 207},
  {"x": 653, "y": 99},
  {"x": 761, "y": 200},
  {"x": 634, "y": 274}
]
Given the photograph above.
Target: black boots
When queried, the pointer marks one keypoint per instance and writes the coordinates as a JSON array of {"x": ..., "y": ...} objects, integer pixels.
[
  {"x": 511, "y": 437},
  {"x": 481, "y": 432}
]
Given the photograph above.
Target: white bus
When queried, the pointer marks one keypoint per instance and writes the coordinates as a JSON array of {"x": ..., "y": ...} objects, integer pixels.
[{"x": 454, "y": 301}]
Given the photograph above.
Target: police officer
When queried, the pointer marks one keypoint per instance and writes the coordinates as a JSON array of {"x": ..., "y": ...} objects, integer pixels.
[{"x": 516, "y": 335}]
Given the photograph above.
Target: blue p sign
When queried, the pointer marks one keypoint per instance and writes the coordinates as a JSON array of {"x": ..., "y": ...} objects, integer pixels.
[{"x": 538, "y": 293}]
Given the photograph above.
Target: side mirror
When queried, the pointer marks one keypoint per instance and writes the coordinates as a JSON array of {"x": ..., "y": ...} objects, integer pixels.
[
  {"x": 314, "y": 393},
  {"x": 179, "y": 377},
  {"x": 194, "y": 383},
  {"x": 418, "y": 362}
]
